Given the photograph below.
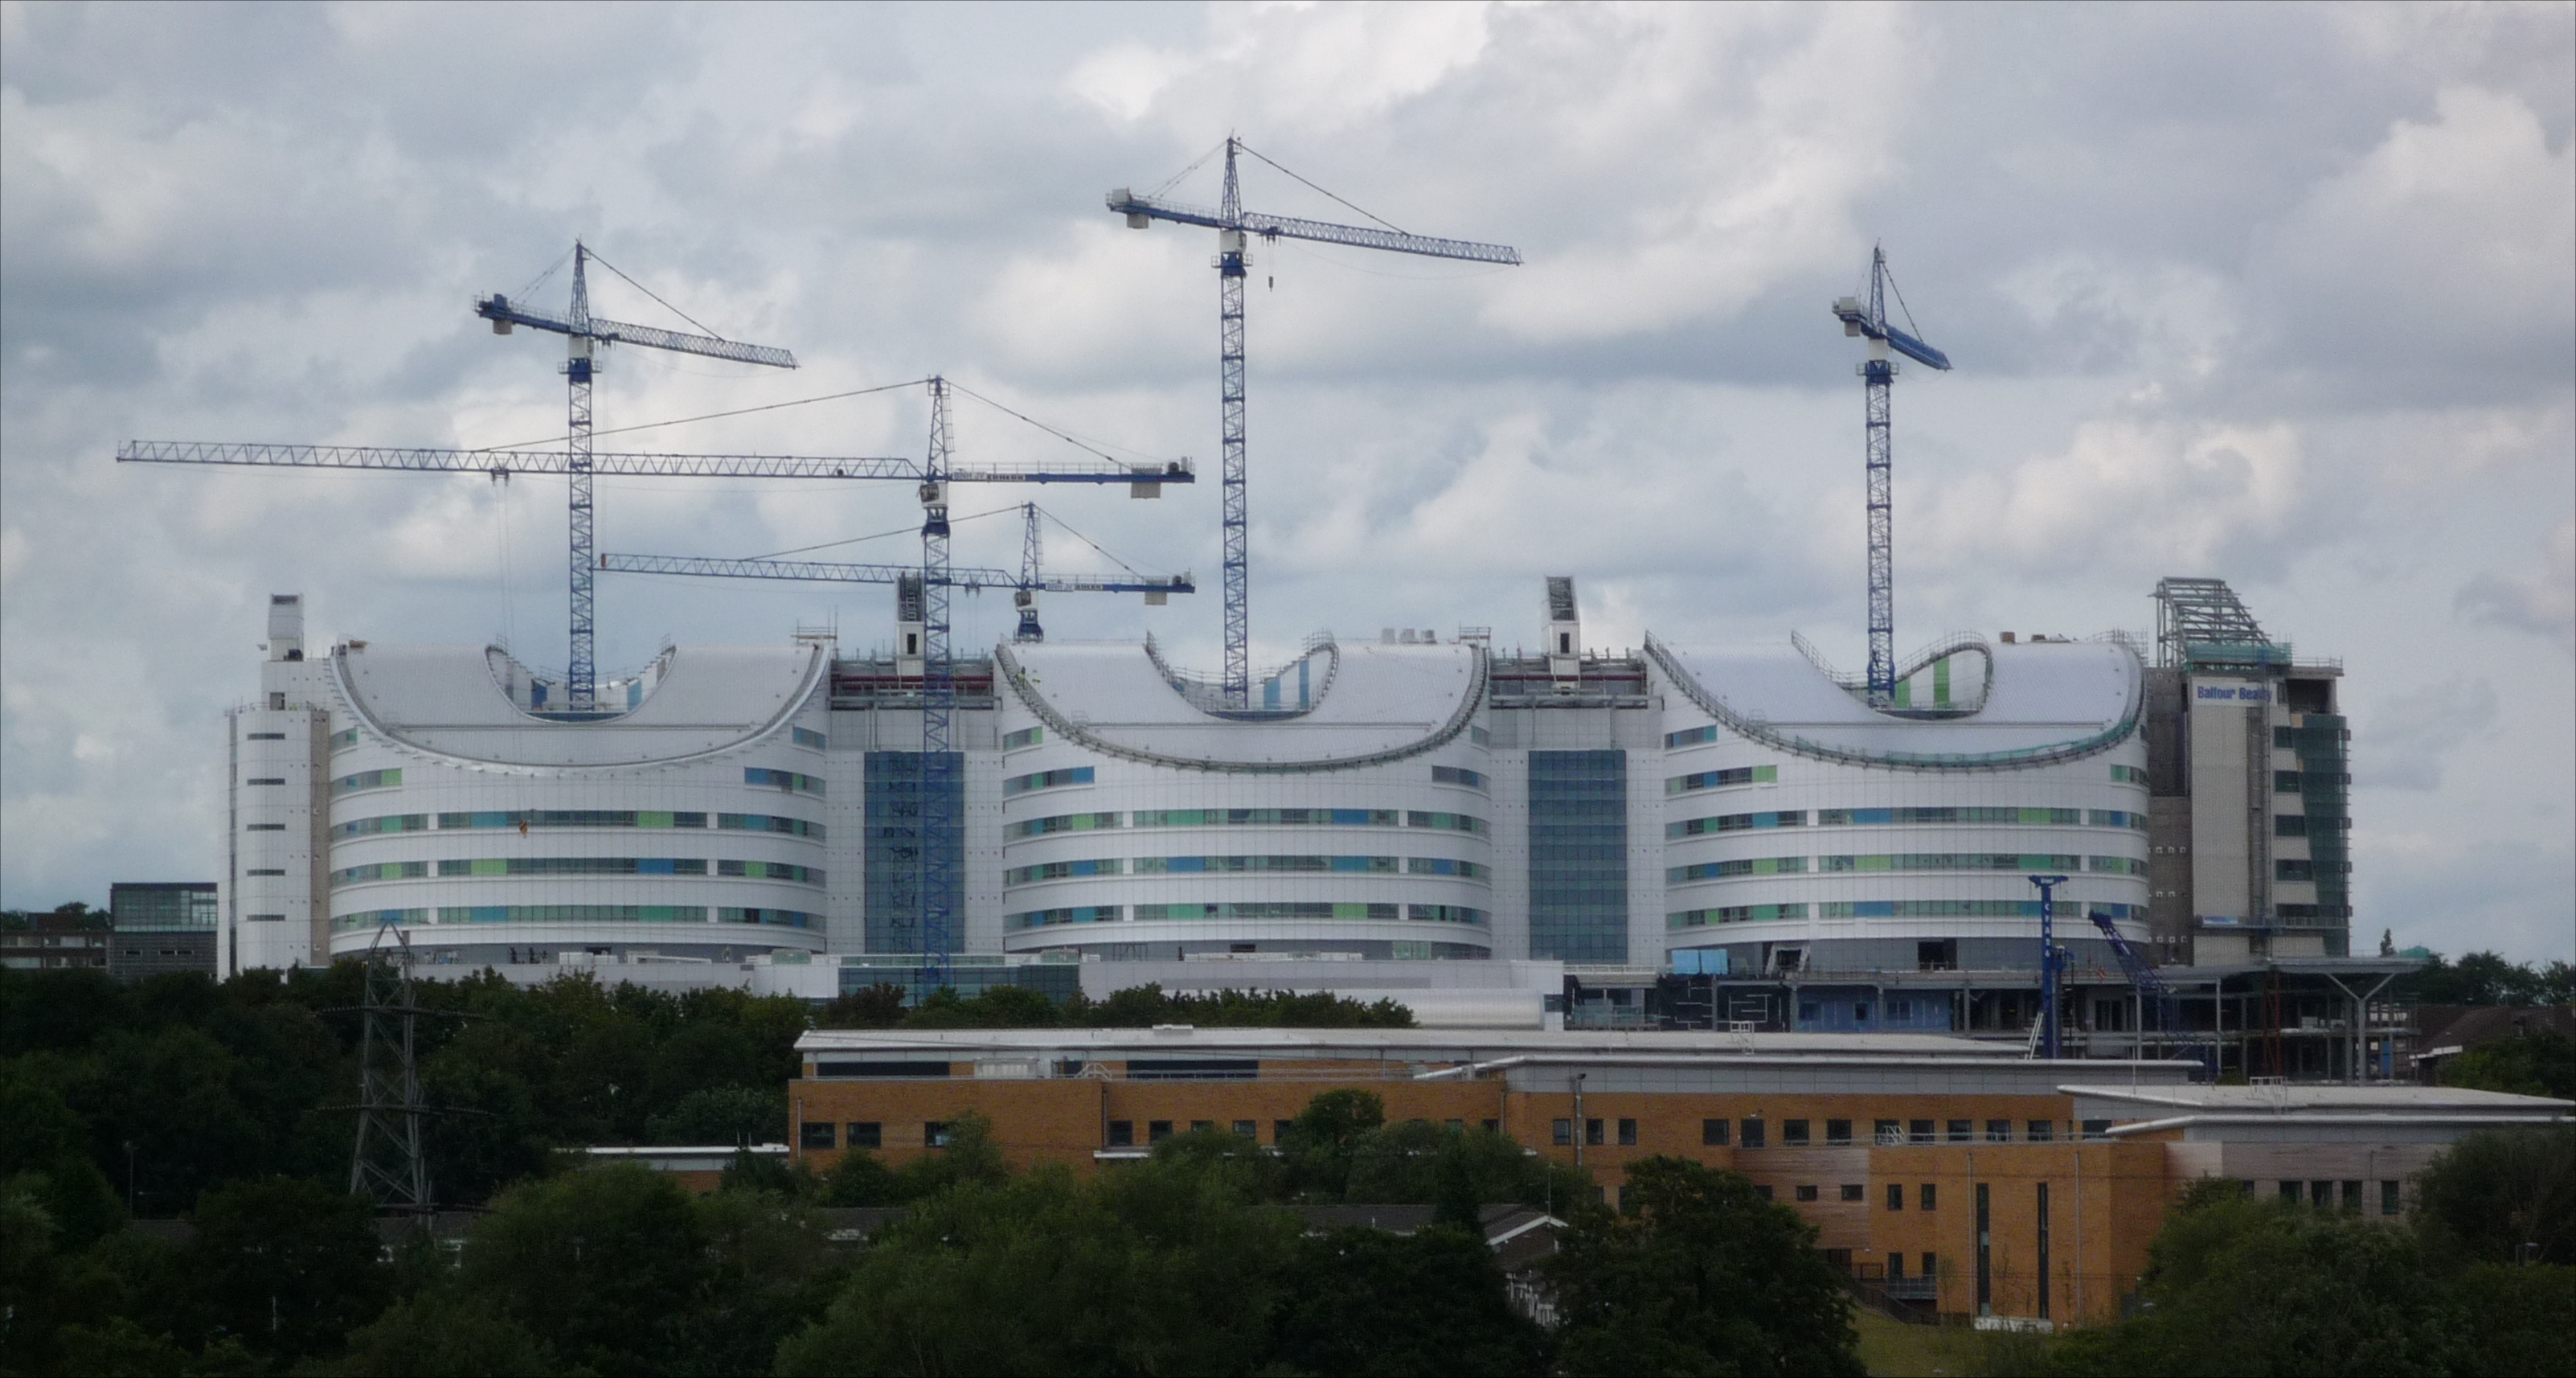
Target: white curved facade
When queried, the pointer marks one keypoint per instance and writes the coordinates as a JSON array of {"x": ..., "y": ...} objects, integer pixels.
[
  {"x": 1801, "y": 828},
  {"x": 1135, "y": 824},
  {"x": 689, "y": 826}
]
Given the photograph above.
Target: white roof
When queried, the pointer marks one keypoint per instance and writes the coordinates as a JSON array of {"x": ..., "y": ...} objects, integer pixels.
[
  {"x": 2044, "y": 695},
  {"x": 1377, "y": 699},
  {"x": 448, "y": 701},
  {"x": 2319, "y": 1099}
]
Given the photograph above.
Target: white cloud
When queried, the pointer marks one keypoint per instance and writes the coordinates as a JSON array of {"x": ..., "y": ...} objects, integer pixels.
[
  {"x": 2405, "y": 740},
  {"x": 2540, "y": 600}
]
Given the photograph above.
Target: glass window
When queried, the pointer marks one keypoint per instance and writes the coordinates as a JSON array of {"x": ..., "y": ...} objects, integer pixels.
[
  {"x": 2389, "y": 1200},
  {"x": 1896, "y": 1196},
  {"x": 867, "y": 1134},
  {"x": 1918, "y": 1131},
  {"x": 1279, "y": 1130},
  {"x": 1793, "y": 1133},
  {"x": 2040, "y": 1131},
  {"x": 1712, "y": 1133},
  {"x": 2095, "y": 1129},
  {"x": 1931, "y": 1265},
  {"x": 1752, "y": 1134},
  {"x": 1592, "y": 1131},
  {"x": 815, "y": 1134},
  {"x": 1998, "y": 1131},
  {"x": 934, "y": 1134},
  {"x": 1247, "y": 1129},
  {"x": 2290, "y": 1192},
  {"x": 1157, "y": 1130},
  {"x": 1895, "y": 1266},
  {"x": 2352, "y": 1197},
  {"x": 1927, "y": 1197},
  {"x": 1963, "y": 1131},
  {"x": 1564, "y": 1130},
  {"x": 1628, "y": 1133},
  {"x": 1806, "y": 1193},
  {"x": 1837, "y": 1131},
  {"x": 1197, "y": 1125},
  {"x": 1887, "y": 1131},
  {"x": 1853, "y": 1191}
]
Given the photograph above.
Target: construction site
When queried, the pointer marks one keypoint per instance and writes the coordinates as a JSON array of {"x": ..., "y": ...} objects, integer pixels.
[{"x": 2094, "y": 847}]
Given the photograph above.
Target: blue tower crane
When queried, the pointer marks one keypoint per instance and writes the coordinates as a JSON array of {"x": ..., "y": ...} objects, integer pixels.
[
  {"x": 1233, "y": 225},
  {"x": 585, "y": 334},
  {"x": 1868, "y": 320},
  {"x": 2052, "y": 964}
]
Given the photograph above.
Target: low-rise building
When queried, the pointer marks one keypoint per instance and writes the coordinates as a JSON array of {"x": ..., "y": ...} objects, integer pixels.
[
  {"x": 163, "y": 926},
  {"x": 1955, "y": 1174},
  {"x": 50, "y": 942}
]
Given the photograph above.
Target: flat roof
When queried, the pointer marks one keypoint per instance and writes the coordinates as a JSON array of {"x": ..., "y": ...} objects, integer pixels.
[
  {"x": 2323, "y": 1097},
  {"x": 1397, "y": 1044}
]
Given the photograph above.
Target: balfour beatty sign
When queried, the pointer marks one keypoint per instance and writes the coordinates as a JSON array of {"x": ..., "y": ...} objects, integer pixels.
[{"x": 2231, "y": 693}]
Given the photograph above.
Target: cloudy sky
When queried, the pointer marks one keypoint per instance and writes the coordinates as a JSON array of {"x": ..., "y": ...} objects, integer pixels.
[{"x": 2282, "y": 295}]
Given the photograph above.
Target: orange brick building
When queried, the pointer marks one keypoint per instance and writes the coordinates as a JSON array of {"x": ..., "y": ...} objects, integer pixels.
[{"x": 1952, "y": 1174}]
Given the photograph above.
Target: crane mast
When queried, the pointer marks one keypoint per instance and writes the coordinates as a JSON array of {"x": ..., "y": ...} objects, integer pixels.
[
  {"x": 1869, "y": 320},
  {"x": 1234, "y": 226}
]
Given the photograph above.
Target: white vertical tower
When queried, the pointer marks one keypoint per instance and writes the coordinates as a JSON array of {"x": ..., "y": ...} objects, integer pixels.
[{"x": 278, "y": 814}]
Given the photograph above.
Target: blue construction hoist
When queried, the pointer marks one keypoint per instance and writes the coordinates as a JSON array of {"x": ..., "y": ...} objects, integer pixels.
[
  {"x": 1868, "y": 320},
  {"x": 1234, "y": 225}
]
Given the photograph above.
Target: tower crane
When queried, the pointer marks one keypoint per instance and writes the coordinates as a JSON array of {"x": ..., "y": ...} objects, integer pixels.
[
  {"x": 1868, "y": 320},
  {"x": 585, "y": 336},
  {"x": 1234, "y": 226}
]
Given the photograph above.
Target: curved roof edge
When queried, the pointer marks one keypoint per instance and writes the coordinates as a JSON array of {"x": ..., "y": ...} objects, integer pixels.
[
  {"x": 817, "y": 674},
  {"x": 1016, "y": 676},
  {"x": 2023, "y": 758}
]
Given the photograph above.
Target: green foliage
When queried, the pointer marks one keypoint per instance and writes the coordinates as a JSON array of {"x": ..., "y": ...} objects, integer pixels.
[
  {"x": 861, "y": 1178},
  {"x": 1364, "y": 1301},
  {"x": 1696, "y": 1273},
  {"x": 737, "y": 1115},
  {"x": 2535, "y": 1064},
  {"x": 285, "y": 1264},
  {"x": 1144, "y": 1006},
  {"x": 604, "y": 1263},
  {"x": 1148, "y": 1270},
  {"x": 2490, "y": 1194},
  {"x": 1458, "y": 1169},
  {"x": 2483, "y": 978},
  {"x": 446, "y": 1335},
  {"x": 2241, "y": 1286},
  {"x": 877, "y": 1007}
]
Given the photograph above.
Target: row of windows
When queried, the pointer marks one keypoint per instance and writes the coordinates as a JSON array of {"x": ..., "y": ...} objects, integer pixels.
[
  {"x": 340, "y": 741},
  {"x": 1026, "y": 736},
  {"x": 1046, "y": 779},
  {"x": 576, "y": 866},
  {"x": 267, "y": 736},
  {"x": 1275, "y": 909},
  {"x": 2129, "y": 775},
  {"x": 1721, "y": 779},
  {"x": 1837, "y": 818},
  {"x": 524, "y": 819},
  {"x": 1891, "y": 909},
  {"x": 367, "y": 779},
  {"x": 1689, "y": 736},
  {"x": 2305, "y": 824},
  {"x": 1755, "y": 1133},
  {"x": 2313, "y": 911},
  {"x": 1198, "y": 865},
  {"x": 576, "y": 913},
  {"x": 782, "y": 779},
  {"x": 265, "y": 780},
  {"x": 1452, "y": 775},
  {"x": 1247, "y": 818},
  {"x": 806, "y": 736},
  {"x": 2309, "y": 870},
  {"x": 2287, "y": 738},
  {"x": 1742, "y": 866},
  {"x": 2291, "y": 781}
]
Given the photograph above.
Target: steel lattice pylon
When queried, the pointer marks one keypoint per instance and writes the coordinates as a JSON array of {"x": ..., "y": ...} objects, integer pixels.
[{"x": 387, "y": 1165}]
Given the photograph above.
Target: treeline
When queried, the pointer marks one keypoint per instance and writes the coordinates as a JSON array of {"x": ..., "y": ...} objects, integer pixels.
[
  {"x": 1141, "y": 1007},
  {"x": 1188, "y": 1262},
  {"x": 2482, "y": 1280},
  {"x": 2483, "y": 978}
]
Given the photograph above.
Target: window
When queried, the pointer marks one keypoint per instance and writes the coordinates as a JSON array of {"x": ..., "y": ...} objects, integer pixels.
[
  {"x": 815, "y": 1134},
  {"x": 2289, "y": 825},
  {"x": 1279, "y": 1130},
  {"x": 934, "y": 1134},
  {"x": 266, "y": 780},
  {"x": 1931, "y": 1265},
  {"x": 1197, "y": 1125},
  {"x": 267, "y": 736},
  {"x": 2285, "y": 738},
  {"x": 2389, "y": 1202},
  {"x": 1793, "y": 1133},
  {"x": 2290, "y": 1192},
  {"x": 1247, "y": 1129},
  {"x": 1918, "y": 1131},
  {"x": 1564, "y": 1133},
  {"x": 1837, "y": 1131},
  {"x": 1592, "y": 1132},
  {"x": 1452, "y": 775},
  {"x": 1926, "y": 1198},
  {"x": 1806, "y": 1193},
  {"x": 1628, "y": 1133},
  {"x": 2352, "y": 1197},
  {"x": 1752, "y": 1134},
  {"x": 1854, "y": 1191},
  {"x": 1712, "y": 1133},
  {"x": 1998, "y": 1131},
  {"x": 1860, "y": 1011},
  {"x": 1492, "y": 1126},
  {"x": 258, "y": 871},
  {"x": 1026, "y": 736},
  {"x": 806, "y": 736},
  {"x": 1809, "y": 1011},
  {"x": 1895, "y": 1266},
  {"x": 1721, "y": 779},
  {"x": 1157, "y": 1130},
  {"x": 2040, "y": 1131},
  {"x": 2285, "y": 782},
  {"x": 2095, "y": 1129},
  {"x": 268, "y": 827},
  {"x": 1896, "y": 1196},
  {"x": 782, "y": 779},
  {"x": 1046, "y": 779},
  {"x": 867, "y": 1134},
  {"x": 1887, "y": 1131}
]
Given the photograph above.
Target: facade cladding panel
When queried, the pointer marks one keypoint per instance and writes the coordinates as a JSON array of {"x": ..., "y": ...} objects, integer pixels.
[
  {"x": 1421, "y": 802},
  {"x": 896, "y": 818},
  {"x": 1578, "y": 855}
]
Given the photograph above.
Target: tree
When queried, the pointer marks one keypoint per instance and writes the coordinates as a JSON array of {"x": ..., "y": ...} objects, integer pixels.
[
  {"x": 1320, "y": 1141},
  {"x": 1461, "y": 1169},
  {"x": 875, "y": 1007},
  {"x": 1696, "y": 1273},
  {"x": 286, "y": 1265},
  {"x": 737, "y": 1115},
  {"x": 1364, "y": 1301},
  {"x": 2489, "y": 1195},
  {"x": 2483, "y": 978},
  {"x": 2240, "y": 1286},
  {"x": 771, "y": 1272},
  {"x": 2531, "y": 1064},
  {"x": 443, "y": 1333},
  {"x": 605, "y": 1263}
]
